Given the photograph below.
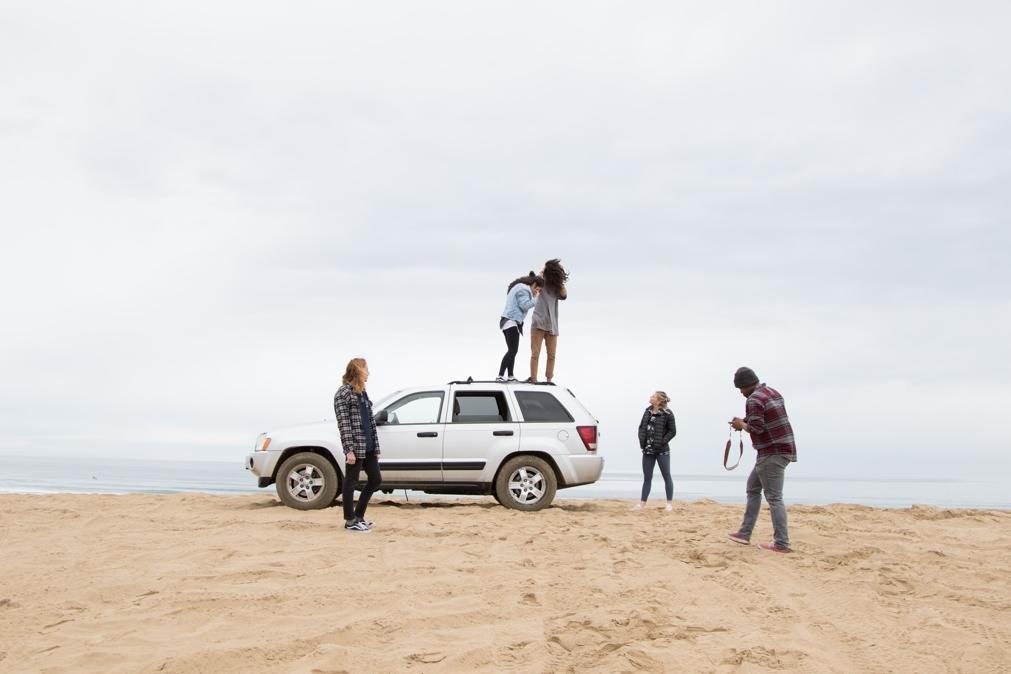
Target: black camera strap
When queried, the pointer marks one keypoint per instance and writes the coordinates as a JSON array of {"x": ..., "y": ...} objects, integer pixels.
[{"x": 740, "y": 449}]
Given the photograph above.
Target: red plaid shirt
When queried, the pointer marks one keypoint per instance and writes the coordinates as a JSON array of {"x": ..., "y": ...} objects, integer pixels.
[{"x": 768, "y": 424}]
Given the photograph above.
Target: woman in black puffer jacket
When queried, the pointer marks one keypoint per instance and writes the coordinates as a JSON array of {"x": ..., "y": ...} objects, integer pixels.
[{"x": 656, "y": 430}]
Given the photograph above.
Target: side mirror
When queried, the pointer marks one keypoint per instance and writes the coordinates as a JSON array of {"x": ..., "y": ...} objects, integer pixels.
[{"x": 381, "y": 417}]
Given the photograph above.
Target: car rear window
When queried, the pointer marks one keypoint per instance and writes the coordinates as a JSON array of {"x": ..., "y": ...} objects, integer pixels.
[
  {"x": 480, "y": 407},
  {"x": 537, "y": 406}
]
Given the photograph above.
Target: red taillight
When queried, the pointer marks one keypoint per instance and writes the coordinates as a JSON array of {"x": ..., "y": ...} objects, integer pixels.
[{"x": 588, "y": 434}]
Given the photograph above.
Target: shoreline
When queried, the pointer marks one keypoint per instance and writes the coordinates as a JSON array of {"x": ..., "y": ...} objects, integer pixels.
[
  {"x": 423, "y": 497},
  {"x": 125, "y": 476}
]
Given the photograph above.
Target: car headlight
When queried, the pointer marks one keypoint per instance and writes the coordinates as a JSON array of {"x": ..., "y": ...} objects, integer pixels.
[{"x": 262, "y": 443}]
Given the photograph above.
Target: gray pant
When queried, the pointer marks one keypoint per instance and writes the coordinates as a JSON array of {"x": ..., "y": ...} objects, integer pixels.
[{"x": 768, "y": 475}]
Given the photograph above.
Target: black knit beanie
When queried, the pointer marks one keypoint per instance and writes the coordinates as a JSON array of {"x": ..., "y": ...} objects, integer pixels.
[{"x": 745, "y": 377}]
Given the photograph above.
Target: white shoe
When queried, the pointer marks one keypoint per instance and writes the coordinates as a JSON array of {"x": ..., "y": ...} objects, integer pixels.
[
  {"x": 668, "y": 507},
  {"x": 637, "y": 506}
]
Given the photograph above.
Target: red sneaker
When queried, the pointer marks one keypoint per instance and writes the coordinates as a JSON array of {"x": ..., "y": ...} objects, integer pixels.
[
  {"x": 772, "y": 547},
  {"x": 737, "y": 538}
]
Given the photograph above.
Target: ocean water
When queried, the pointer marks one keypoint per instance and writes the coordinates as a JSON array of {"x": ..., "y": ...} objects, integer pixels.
[{"x": 119, "y": 476}]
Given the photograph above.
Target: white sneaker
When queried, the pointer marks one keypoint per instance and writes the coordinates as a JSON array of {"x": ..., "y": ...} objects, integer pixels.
[
  {"x": 637, "y": 506},
  {"x": 668, "y": 507},
  {"x": 500, "y": 378}
]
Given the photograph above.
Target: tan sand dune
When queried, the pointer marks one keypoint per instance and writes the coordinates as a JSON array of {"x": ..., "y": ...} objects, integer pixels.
[{"x": 194, "y": 583}]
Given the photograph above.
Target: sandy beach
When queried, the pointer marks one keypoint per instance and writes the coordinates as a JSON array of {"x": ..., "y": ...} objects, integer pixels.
[{"x": 196, "y": 583}]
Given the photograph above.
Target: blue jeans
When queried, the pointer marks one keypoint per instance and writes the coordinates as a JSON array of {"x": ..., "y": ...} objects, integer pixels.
[
  {"x": 768, "y": 475},
  {"x": 648, "y": 461}
]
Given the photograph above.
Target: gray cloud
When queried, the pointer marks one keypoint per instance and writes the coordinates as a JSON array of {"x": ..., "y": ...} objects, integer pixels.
[{"x": 209, "y": 207}]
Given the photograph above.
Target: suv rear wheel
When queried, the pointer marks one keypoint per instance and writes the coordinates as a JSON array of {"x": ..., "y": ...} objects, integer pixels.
[
  {"x": 307, "y": 481},
  {"x": 526, "y": 483}
]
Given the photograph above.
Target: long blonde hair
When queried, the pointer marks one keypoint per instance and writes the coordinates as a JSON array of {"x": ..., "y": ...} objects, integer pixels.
[{"x": 355, "y": 374}]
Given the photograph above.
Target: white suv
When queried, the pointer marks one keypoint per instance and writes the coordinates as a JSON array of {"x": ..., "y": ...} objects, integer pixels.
[{"x": 519, "y": 442}]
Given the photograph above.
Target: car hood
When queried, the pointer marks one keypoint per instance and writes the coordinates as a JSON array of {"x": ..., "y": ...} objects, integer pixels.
[{"x": 312, "y": 431}]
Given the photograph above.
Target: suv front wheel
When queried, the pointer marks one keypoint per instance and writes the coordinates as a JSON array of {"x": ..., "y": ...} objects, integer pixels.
[
  {"x": 526, "y": 483},
  {"x": 307, "y": 481}
]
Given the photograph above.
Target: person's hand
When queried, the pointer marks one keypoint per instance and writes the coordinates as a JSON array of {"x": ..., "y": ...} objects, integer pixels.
[
  {"x": 350, "y": 457},
  {"x": 738, "y": 424}
]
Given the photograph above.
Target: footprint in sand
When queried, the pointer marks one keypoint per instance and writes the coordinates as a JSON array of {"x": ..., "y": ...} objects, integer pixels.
[{"x": 765, "y": 657}]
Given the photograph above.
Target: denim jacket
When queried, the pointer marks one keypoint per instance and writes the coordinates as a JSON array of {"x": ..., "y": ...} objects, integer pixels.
[{"x": 518, "y": 302}]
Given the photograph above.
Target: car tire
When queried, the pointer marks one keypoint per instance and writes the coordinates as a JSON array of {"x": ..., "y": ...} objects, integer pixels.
[
  {"x": 526, "y": 483},
  {"x": 307, "y": 481}
]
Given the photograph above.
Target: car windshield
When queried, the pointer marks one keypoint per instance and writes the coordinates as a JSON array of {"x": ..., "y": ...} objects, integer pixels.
[{"x": 386, "y": 400}]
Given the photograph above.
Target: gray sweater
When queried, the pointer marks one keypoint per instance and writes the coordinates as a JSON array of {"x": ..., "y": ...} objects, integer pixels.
[{"x": 545, "y": 315}]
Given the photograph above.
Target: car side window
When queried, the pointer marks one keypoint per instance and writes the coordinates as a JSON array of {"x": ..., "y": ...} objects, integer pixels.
[
  {"x": 480, "y": 407},
  {"x": 539, "y": 406},
  {"x": 417, "y": 408}
]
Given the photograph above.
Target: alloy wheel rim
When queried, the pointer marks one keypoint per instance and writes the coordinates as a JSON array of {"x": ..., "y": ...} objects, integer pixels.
[
  {"x": 305, "y": 482},
  {"x": 526, "y": 485}
]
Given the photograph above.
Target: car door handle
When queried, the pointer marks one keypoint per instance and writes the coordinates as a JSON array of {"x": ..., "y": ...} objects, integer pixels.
[
  {"x": 501, "y": 432},
  {"x": 428, "y": 434}
]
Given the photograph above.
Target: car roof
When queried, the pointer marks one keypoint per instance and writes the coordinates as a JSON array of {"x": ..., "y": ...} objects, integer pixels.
[
  {"x": 471, "y": 380},
  {"x": 483, "y": 384}
]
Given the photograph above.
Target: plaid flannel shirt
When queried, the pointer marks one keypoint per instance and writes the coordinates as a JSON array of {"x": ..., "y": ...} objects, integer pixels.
[
  {"x": 349, "y": 421},
  {"x": 768, "y": 424}
]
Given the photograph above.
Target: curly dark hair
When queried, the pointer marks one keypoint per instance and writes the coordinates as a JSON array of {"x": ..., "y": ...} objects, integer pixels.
[
  {"x": 530, "y": 279},
  {"x": 555, "y": 275}
]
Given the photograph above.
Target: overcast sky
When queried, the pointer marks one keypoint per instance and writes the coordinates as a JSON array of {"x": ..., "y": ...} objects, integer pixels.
[{"x": 208, "y": 207}]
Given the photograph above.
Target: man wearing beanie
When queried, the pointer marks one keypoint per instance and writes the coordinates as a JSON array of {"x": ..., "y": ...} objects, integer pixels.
[{"x": 766, "y": 421}]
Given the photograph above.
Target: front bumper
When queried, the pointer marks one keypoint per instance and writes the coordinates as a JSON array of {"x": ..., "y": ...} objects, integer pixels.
[{"x": 262, "y": 464}]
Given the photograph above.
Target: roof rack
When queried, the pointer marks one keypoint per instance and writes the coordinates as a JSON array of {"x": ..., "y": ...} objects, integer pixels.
[{"x": 471, "y": 380}]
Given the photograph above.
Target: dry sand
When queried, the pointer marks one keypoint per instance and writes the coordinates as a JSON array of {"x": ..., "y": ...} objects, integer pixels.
[{"x": 195, "y": 583}]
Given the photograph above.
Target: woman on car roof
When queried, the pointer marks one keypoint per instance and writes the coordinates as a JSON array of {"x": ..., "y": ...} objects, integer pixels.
[
  {"x": 544, "y": 328},
  {"x": 521, "y": 295}
]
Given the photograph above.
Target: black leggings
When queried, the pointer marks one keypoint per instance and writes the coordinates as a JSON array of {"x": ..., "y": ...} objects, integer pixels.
[
  {"x": 662, "y": 460},
  {"x": 512, "y": 338},
  {"x": 351, "y": 473}
]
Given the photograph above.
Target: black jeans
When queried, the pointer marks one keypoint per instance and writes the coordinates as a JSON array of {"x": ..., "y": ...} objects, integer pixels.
[
  {"x": 512, "y": 338},
  {"x": 662, "y": 460},
  {"x": 351, "y": 473}
]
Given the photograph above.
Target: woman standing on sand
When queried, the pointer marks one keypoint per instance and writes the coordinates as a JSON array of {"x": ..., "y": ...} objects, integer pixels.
[
  {"x": 521, "y": 295},
  {"x": 360, "y": 440},
  {"x": 656, "y": 430},
  {"x": 545, "y": 319}
]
